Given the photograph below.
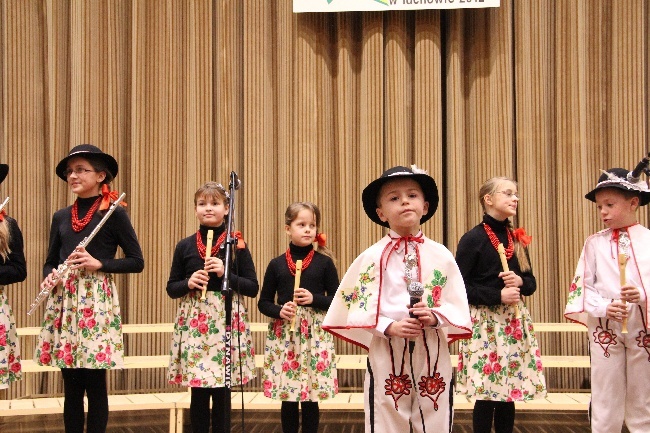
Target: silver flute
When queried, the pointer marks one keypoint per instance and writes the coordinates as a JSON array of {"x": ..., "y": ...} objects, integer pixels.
[
  {"x": 4, "y": 203},
  {"x": 63, "y": 267}
]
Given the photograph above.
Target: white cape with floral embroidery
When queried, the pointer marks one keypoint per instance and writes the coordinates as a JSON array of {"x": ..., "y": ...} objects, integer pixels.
[
  {"x": 639, "y": 253},
  {"x": 355, "y": 308}
]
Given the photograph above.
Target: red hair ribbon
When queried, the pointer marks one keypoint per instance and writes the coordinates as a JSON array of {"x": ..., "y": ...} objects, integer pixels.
[
  {"x": 321, "y": 238},
  {"x": 107, "y": 196},
  {"x": 3, "y": 214},
  {"x": 240, "y": 240},
  {"x": 520, "y": 235}
]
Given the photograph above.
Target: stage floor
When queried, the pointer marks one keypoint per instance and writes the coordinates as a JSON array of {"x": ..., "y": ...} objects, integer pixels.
[{"x": 157, "y": 421}]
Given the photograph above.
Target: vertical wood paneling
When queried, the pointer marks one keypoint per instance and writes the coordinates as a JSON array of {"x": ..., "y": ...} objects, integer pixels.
[
  {"x": 160, "y": 118},
  {"x": 57, "y": 80},
  {"x": 23, "y": 118},
  {"x": 345, "y": 213},
  {"x": 427, "y": 109},
  {"x": 371, "y": 126},
  {"x": 627, "y": 120},
  {"x": 230, "y": 150},
  {"x": 313, "y": 107},
  {"x": 580, "y": 135},
  {"x": 260, "y": 184},
  {"x": 398, "y": 82},
  {"x": 324, "y": 160},
  {"x": 480, "y": 110},
  {"x": 285, "y": 119},
  {"x": 308, "y": 54},
  {"x": 462, "y": 208}
]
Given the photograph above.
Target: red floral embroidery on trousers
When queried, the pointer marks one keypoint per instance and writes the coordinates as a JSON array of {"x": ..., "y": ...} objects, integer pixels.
[
  {"x": 434, "y": 385},
  {"x": 397, "y": 385},
  {"x": 604, "y": 337},
  {"x": 643, "y": 339},
  {"x": 431, "y": 387}
]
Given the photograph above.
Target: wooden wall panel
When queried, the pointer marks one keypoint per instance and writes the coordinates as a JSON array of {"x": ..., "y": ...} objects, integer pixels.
[
  {"x": 285, "y": 87},
  {"x": 459, "y": 167},
  {"x": 428, "y": 109},
  {"x": 23, "y": 121},
  {"x": 347, "y": 114},
  {"x": 371, "y": 126},
  {"x": 314, "y": 107},
  {"x": 398, "y": 82},
  {"x": 535, "y": 147}
]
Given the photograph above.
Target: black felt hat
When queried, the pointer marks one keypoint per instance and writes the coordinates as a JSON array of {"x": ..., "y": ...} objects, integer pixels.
[
  {"x": 618, "y": 178},
  {"x": 86, "y": 150},
  {"x": 4, "y": 169},
  {"x": 428, "y": 185}
]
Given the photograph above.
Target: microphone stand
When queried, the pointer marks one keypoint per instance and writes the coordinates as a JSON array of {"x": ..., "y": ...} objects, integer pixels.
[
  {"x": 415, "y": 290},
  {"x": 227, "y": 298}
]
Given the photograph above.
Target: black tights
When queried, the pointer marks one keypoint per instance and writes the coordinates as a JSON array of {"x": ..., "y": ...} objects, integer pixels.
[
  {"x": 200, "y": 410},
  {"x": 290, "y": 418},
  {"x": 502, "y": 412},
  {"x": 76, "y": 383}
]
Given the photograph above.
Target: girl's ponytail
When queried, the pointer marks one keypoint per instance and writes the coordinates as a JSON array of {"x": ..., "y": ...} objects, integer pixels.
[{"x": 4, "y": 239}]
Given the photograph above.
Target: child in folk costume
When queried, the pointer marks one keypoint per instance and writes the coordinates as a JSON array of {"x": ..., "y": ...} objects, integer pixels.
[
  {"x": 198, "y": 345},
  {"x": 501, "y": 363},
  {"x": 620, "y": 362},
  {"x": 13, "y": 269},
  {"x": 82, "y": 327},
  {"x": 299, "y": 363},
  {"x": 409, "y": 376}
]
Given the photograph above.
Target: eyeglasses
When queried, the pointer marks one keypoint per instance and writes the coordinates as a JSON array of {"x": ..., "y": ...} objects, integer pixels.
[
  {"x": 509, "y": 194},
  {"x": 77, "y": 170}
]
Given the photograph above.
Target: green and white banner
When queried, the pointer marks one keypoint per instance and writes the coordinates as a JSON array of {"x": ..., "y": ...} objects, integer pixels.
[{"x": 388, "y": 5}]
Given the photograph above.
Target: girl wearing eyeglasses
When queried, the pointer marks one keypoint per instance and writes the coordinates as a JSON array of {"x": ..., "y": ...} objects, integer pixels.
[
  {"x": 82, "y": 324},
  {"x": 501, "y": 363}
]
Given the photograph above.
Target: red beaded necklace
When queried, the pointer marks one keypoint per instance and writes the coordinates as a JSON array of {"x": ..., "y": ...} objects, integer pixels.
[
  {"x": 510, "y": 248},
  {"x": 305, "y": 262},
  {"x": 79, "y": 224},
  {"x": 201, "y": 247}
]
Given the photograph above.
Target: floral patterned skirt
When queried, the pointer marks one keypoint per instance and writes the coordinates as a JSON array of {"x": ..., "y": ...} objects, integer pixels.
[
  {"x": 10, "y": 369},
  {"x": 199, "y": 344},
  {"x": 502, "y": 361},
  {"x": 82, "y": 327},
  {"x": 299, "y": 366}
]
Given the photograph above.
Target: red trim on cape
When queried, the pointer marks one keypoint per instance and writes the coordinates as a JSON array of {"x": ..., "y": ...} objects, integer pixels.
[{"x": 336, "y": 334}]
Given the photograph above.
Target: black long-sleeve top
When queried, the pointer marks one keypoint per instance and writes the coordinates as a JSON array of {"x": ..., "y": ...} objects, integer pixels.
[
  {"x": 480, "y": 265},
  {"x": 117, "y": 231},
  {"x": 14, "y": 268},
  {"x": 243, "y": 278},
  {"x": 320, "y": 278}
]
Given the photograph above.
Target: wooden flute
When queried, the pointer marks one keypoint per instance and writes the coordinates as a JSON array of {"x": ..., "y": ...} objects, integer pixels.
[
  {"x": 296, "y": 285},
  {"x": 504, "y": 264},
  {"x": 622, "y": 262},
  {"x": 208, "y": 253}
]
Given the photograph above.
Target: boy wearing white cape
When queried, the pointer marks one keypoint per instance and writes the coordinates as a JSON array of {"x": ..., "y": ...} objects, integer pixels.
[
  {"x": 403, "y": 300},
  {"x": 616, "y": 314}
]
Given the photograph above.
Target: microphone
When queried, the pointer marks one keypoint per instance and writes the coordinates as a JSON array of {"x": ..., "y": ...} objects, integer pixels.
[
  {"x": 635, "y": 175},
  {"x": 415, "y": 290},
  {"x": 235, "y": 183}
]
